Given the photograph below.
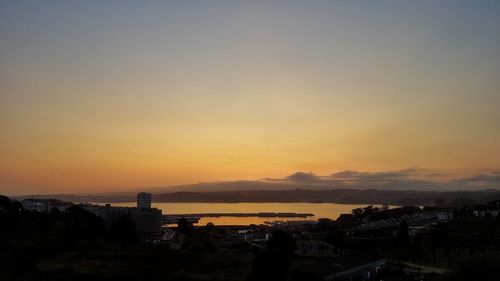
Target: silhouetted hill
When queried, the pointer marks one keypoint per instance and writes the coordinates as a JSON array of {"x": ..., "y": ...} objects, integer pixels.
[
  {"x": 346, "y": 196},
  {"x": 370, "y": 196}
]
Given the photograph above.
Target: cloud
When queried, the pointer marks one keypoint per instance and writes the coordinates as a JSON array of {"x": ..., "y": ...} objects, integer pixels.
[
  {"x": 406, "y": 179},
  {"x": 381, "y": 176},
  {"x": 412, "y": 178},
  {"x": 484, "y": 180},
  {"x": 303, "y": 177},
  {"x": 352, "y": 175},
  {"x": 494, "y": 177},
  {"x": 348, "y": 174}
]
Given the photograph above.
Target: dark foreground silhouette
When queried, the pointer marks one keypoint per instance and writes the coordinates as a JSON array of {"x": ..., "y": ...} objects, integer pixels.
[{"x": 369, "y": 244}]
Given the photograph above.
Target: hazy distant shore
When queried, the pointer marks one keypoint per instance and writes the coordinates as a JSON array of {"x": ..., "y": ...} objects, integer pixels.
[{"x": 339, "y": 196}]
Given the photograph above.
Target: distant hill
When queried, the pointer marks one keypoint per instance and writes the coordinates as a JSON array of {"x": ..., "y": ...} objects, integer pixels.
[
  {"x": 411, "y": 179},
  {"x": 346, "y": 196},
  {"x": 232, "y": 186}
]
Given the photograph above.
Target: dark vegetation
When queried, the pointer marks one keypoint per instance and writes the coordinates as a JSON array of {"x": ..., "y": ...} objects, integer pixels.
[
  {"x": 76, "y": 245},
  {"x": 468, "y": 246}
]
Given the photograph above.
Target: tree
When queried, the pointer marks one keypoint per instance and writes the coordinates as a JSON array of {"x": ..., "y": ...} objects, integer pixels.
[
  {"x": 345, "y": 220},
  {"x": 282, "y": 242},
  {"x": 403, "y": 234},
  {"x": 269, "y": 266},
  {"x": 4, "y": 201},
  {"x": 82, "y": 224},
  {"x": 273, "y": 263},
  {"x": 184, "y": 226},
  {"x": 485, "y": 268},
  {"x": 122, "y": 230},
  {"x": 210, "y": 227},
  {"x": 326, "y": 224}
]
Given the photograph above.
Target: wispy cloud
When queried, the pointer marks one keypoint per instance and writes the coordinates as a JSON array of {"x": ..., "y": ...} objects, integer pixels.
[
  {"x": 303, "y": 177},
  {"x": 490, "y": 180}
]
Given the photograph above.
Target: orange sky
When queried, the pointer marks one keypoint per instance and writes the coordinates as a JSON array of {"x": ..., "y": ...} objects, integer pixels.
[{"x": 108, "y": 99}]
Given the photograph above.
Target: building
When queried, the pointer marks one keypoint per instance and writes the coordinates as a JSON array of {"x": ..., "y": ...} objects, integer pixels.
[
  {"x": 148, "y": 222},
  {"x": 107, "y": 212},
  {"x": 246, "y": 234},
  {"x": 34, "y": 205},
  {"x": 144, "y": 200},
  {"x": 315, "y": 248},
  {"x": 45, "y": 205},
  {"x": 445, "y": 215}
]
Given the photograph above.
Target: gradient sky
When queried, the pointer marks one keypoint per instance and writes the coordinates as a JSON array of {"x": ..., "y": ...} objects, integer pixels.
[{"x": 117, "y": 95}]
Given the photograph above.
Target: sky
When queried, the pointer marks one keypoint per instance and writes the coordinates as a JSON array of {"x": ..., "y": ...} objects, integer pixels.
[{"x": 102, "y": 96}]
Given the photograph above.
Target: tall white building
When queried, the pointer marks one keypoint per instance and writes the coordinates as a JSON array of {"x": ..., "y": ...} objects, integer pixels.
[{"x": 144, "y": 200}]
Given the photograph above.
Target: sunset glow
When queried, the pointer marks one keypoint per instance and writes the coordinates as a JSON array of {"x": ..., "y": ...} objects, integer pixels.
[{"x": 103, "y": 98}]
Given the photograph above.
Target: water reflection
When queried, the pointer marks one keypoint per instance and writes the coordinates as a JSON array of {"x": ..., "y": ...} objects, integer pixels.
[{"x": 320, "y": 210}]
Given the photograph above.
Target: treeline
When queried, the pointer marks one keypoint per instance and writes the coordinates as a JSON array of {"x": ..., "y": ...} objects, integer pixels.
[
  {"x": 468, "y": 246},
  {"x": 27, "y": 236},
  {"x": 77, "y": 245}
]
